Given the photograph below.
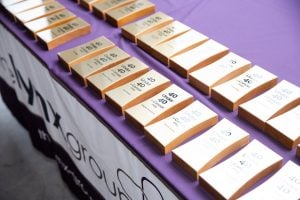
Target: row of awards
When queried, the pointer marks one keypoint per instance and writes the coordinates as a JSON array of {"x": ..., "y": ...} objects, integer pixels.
[{"x": 168, "y": 116}]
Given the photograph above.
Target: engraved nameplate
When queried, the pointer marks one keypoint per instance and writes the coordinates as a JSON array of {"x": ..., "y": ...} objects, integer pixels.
[
  {"x": 211, "y": 147},
  {"x": 285, "y": 184},
  {"x": 149, "y": 40},
  {"x": 102, "y": 7},
  {"x": 145, "y": 25},
  {"x": 63, "y": 33},
  {"x": 136, "y": 91},
  {"x": 175, "y": 129},
  {"x": 99, "y": 63},
  {"x": 39, "y": 12},
  {"x": 177, "y": 45},
  {"x": 272, "y": 103},
  {"x": 244, "y": 87},
  {"x": 49, "y": 21},
  {"x": 25, "y": 5},
  {"x": 158, "y": 107},
  {"x": 130, "y": 12},
  {"x": 224, "y": 69},
  {"x": 197, "y": 57},
  {"x": 88, "y": 4},
  {"x": 230, "y": 178},
  {"x": 286, "y": 128},
  {"x": 117, "y": 76},
  {"x": 85, "y": 51}
]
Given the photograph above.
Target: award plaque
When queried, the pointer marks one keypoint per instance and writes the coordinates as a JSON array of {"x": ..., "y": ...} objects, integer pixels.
[
  {"x": 175, "y": 129},
  {"x": 197, "y": 57},
  {"x": 160, "y": 106},
  {"x": 188, "y": 40},
  {"x": 212, "y": 146},
  {"x": 63, "y": 33},
  {"x": 230, "y": 178},
  {"x": 272, "y": 103},
  {"x": 6, "y": 3},
  {"x": 88, "y": 4},
  {"x": 39, "y": 12},
  {"x": 244, "y": 87},
  {"x": 117, "y": 76},
  {"x": 71, "y": 57},
  {"x": 25, "y": 5},
  {"x": 286, "y": 128},
  {"x": 102, "y": 7},
  {"x": 145, "y": 25},
  {"x": 130, "y": 12},
  {"x": 284, "y": 184},
  {"x": 99, "y": 63},
  {"x": 163, "y": 34},
  {"x": 136, "y": 91},
  {"x": 224, "y": 69},
  {"x": 49, "y": 21}
]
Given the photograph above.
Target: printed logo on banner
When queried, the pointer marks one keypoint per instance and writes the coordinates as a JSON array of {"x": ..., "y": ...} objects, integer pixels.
[{"x": 125, "y": 187}]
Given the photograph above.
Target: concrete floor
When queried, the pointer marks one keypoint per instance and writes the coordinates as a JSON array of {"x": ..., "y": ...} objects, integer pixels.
[{"x": 25, "y": 173}]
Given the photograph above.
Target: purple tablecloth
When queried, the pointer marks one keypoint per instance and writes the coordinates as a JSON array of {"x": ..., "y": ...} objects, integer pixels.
[{"x": 266, "y": 32}]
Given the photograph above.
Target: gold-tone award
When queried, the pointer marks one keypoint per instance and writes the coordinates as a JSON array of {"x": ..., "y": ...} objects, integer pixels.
[
  {"x": 188, "y": 40},
  {"x": 197, "y": 57},
  {"x": 71, "y": 57},
  {"x": 163, "y": 34},
  {"x": 158, "y": 107},
  {"x": 284, "y": 184},
  {"x": 63, "y": 33},
  {"x": 49, "y": 22},
  {"x": 285, "y": 128},
  {"x": 230, "y": 178},
  {"x": 99, "y": 63},
  {"x": 128, "y": 13},
  {"x": 244, "y": 87},
  {"x": 38, "y": 12},
  {"x": 175, "y": 129},
  {"x": 145, "y": 25},
  {"x": 102, "y": 7},
  {"x": 272, "y": 103},
  {"x": 136, "y": 91},
  {"x": 211, "y": 146},
  {"x": 224, "y": 69},
  {"x": 117, "y": 76}
]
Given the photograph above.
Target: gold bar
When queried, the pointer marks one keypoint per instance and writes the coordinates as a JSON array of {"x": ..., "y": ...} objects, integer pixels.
[
  {"x": 285, "y": 128},
  {"x": 244, "y": 87},
  {"x": 230, "y": 178},
  {"x": 160, "y": 106},
  {"x": 175, "y": 129},
  {"x": 101, "y": 8},
  {"x": 39, "y": 12},
  {"x": 88, "y": 4},
  {"x": 220, "y": 71},
  {"x": 277, "y": 100},
  {"x": 71, "y": 57},
  {"x": 198, "y": 57},
  {"x": 283, "y": 184},
  {"x": 145, "y": 25},
  {"x": 24, "y": 6},
  {"x": 116, "y": 76},
  {"x": 149, "y": 40},
  {"x": 211, "y": 146},
  {"x": 128, "y": 13},
  {"x": 63, "y": 33},
  {"x": 136, "y": 91},
  {"x": 49, "y": 22},
  {"x": 188, "y": 40},
  {"x": 99, "y": 63}
]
